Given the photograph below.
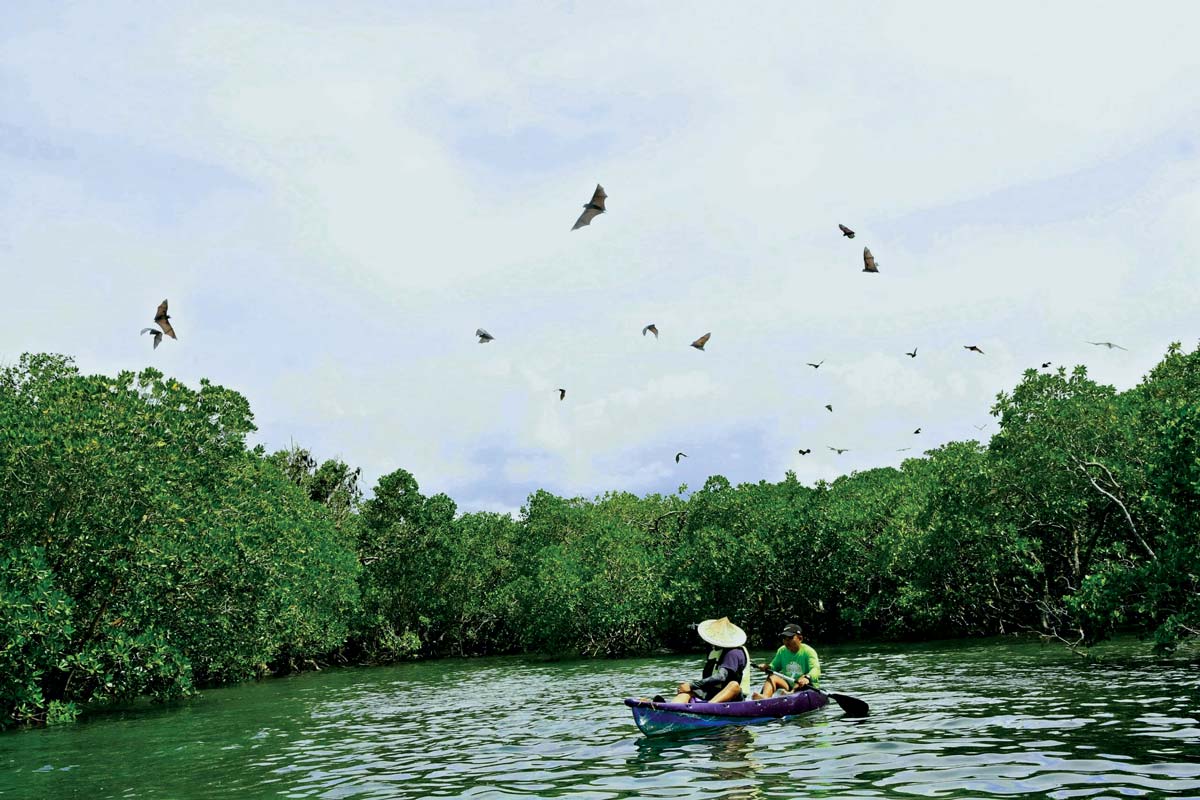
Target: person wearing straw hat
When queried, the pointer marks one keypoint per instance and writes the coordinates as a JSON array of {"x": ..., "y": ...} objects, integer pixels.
[{"x": 723, "y": 669}]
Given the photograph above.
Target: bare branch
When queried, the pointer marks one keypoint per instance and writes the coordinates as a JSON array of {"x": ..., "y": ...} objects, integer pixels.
[
  {"x": 682, "y": 514},
  {"x": 1128, "y": 518}
]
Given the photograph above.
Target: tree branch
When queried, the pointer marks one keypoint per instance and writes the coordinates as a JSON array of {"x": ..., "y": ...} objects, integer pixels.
[
  {"x": 1083, "y": 468},
  {"x": 682, "y": 514}
]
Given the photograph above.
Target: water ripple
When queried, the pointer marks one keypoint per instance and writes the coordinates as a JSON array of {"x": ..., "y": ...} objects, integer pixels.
[{"x": 985, "y": 719}]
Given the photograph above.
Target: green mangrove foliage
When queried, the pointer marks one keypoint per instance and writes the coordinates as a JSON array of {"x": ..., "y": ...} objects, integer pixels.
[{"x": 145, "y": 550}]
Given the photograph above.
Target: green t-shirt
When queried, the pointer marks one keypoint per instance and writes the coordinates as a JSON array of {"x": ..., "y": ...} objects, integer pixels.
[{"x": 792, "y": 665}]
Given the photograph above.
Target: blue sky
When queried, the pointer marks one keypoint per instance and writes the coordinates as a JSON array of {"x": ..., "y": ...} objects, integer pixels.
[{"x": 334, "y": 199}]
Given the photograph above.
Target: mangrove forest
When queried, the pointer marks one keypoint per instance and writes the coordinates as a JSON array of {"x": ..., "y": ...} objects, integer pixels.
[{"x": 146, "y": 550}]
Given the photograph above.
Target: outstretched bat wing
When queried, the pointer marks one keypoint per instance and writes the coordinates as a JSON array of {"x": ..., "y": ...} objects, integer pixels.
[
  {"x": 598, "y": 197},
  {"x": 869, "y": 261},
  {"x": 586, "y": 217}
]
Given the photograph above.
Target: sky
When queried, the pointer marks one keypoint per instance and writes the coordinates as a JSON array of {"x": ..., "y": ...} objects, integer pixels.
[{"x": 333, "y": 197}]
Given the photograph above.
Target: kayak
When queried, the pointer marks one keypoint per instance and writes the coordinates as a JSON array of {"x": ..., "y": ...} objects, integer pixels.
[{"x": 656, "y": 718}]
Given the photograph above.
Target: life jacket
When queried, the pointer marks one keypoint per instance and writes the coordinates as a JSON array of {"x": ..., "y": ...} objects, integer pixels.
[{"x": 714, "y": 658}]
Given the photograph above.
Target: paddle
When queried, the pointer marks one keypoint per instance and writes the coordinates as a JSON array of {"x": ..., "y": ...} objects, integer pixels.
[{"x": 851, "y": 706}]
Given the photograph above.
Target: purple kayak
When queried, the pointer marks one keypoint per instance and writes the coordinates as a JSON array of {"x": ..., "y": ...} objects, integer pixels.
[{"x": 654, "y": 718}]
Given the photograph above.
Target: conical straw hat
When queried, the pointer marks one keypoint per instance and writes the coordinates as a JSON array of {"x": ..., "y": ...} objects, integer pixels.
[{"x": 721, "y": 633}]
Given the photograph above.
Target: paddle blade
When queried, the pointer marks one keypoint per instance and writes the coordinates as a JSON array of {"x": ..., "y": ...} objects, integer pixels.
[{"x": 852, "y": 706}]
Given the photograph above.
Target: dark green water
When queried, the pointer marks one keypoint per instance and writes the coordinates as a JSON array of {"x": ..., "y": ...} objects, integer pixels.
[{"x": 980, "y": 719}]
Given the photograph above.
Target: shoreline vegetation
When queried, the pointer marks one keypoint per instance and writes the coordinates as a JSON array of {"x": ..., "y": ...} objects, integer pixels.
[{"x": 146, "y": 551}]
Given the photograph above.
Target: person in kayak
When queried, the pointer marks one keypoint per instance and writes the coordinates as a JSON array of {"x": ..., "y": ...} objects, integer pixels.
[
  {"x": 795, "y": 666},
  {"x": 724, "y": 668}
]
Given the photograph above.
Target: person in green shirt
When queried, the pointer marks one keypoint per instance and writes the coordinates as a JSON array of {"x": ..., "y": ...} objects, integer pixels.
[{"x": 795, "y": 666}]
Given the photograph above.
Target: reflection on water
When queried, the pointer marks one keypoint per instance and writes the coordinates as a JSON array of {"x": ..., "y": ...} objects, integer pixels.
[
  {"x": 982, "y": 719},
  {"x": 726, "y": 756}
]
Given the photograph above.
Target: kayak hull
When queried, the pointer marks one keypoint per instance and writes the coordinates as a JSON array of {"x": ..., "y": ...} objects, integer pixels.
[{"x": 654, "y": 719}]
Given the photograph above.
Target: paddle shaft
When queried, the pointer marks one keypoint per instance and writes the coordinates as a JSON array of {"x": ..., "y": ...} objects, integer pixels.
[{"x": 791, "y": 682}]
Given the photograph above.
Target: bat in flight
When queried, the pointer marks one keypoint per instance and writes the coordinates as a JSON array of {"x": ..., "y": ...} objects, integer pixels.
[
  {"x": 830, "y": 407},
  {"x": 651, "y": 329},
  {"x": 918, "y": 430},
  {"x": 679, "y": 456},
  {"x": 703, "y": 340},
  {"x": 1109, "y": 345},
  {"x": 804, "y": 452},
  {"x": 156, "y": 333},
  {"x": 163, "y": 320},
  {"x": 591, "y": 209},
  {"x": 815, "y": 366},
  {"x": 869, "y": 261},
  {"x": 913, "y": 354},
  {"x": 849, "y": 234},
  {"x": 973, "y": 347},
  {"x": 840, "y": 450},
  {"x": 484, "y": 336},
  {"x": 562, "y": 394}
]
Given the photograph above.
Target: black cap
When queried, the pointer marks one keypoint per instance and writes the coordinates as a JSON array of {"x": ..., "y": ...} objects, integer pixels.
[{"x": 790, "y": 630}]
